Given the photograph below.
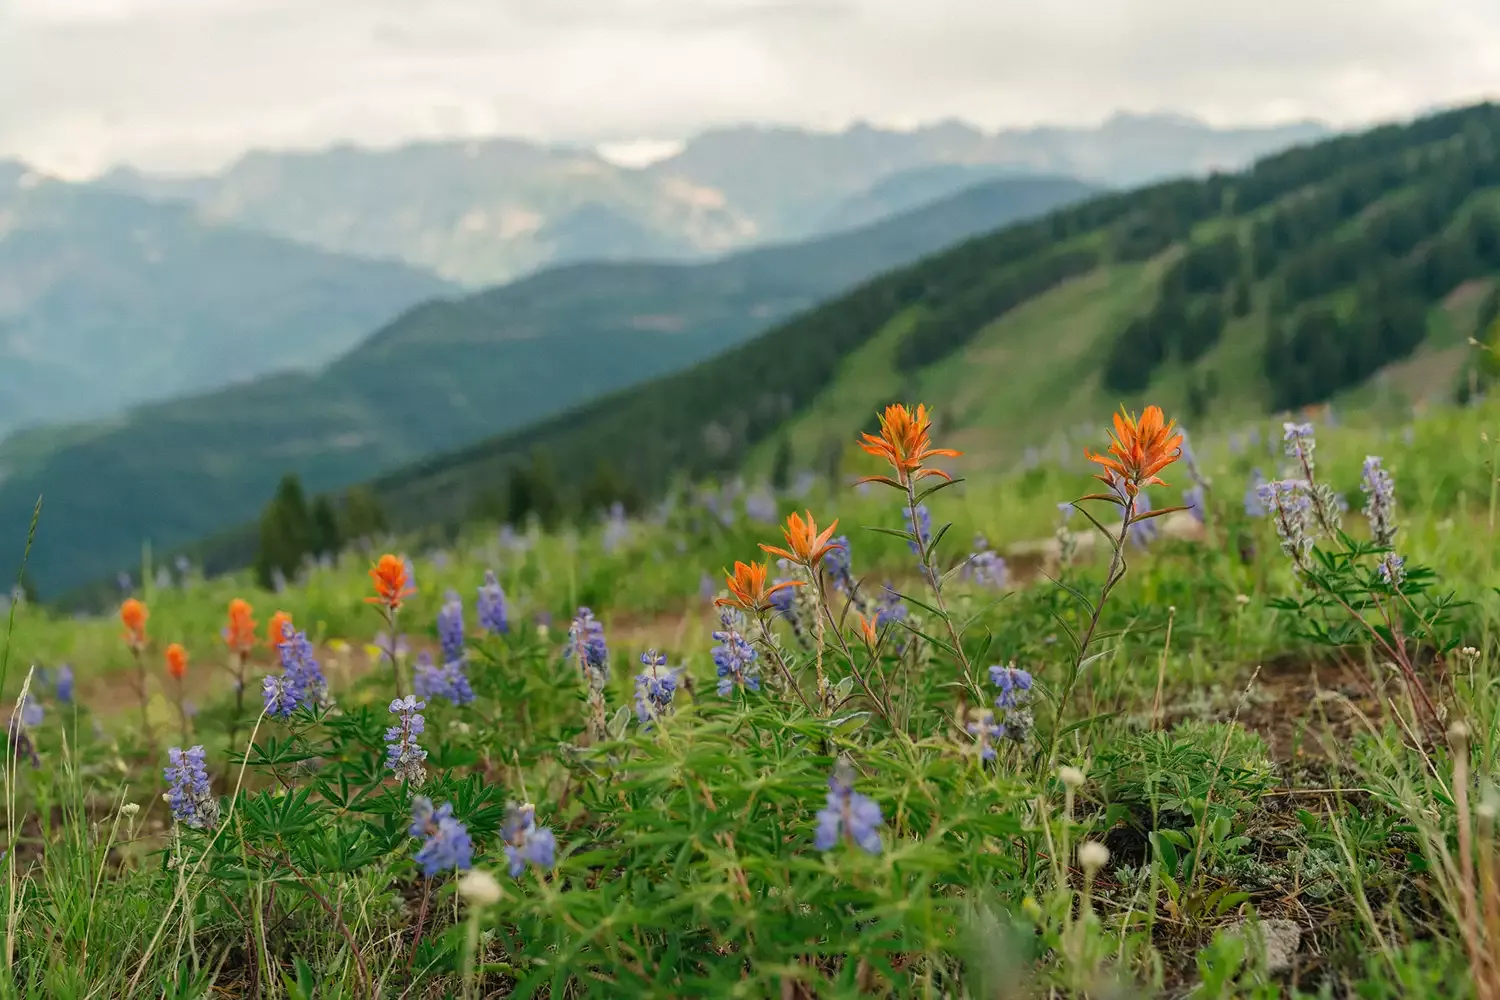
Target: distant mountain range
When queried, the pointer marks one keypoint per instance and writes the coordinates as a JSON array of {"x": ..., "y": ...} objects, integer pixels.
[
  {"x": 442, "y": 375},
  {"x": 482, "y": 212},
  {"x": 107, "y": 300}
]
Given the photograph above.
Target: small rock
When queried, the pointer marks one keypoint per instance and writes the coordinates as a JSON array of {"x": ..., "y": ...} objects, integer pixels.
[{"x": 1281, "y": 938}]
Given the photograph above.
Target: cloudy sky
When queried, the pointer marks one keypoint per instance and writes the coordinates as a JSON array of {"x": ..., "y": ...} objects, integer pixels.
[{"x": 188, "y": 84}]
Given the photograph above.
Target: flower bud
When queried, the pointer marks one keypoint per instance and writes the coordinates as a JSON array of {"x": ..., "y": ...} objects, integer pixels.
[
  {"x": 1071, "y": 776},
  {"x": 480, "y": 888},
  {"x": 1092, "y": 855}
]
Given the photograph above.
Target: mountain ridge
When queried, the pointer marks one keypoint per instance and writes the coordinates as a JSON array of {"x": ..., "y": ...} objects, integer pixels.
[{"x": 477, "y": 210}]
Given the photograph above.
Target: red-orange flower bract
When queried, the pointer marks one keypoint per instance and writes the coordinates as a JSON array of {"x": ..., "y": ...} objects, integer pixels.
[
  {"x": 903, "y": 441},
  {"x": 747, "y": 587},
  {"x": 177, "y": 660},
  {"x": 239, "y": 632},
  {"x": 276, "y": 629},
  {"x": 389, "y": 575},
  {"x": 1139, "y": 449},
  {"x": 804, "y": 545},
  {"x": 133, "y": 615}
]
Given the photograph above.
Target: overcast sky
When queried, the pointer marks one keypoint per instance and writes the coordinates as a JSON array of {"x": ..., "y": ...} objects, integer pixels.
[{"x": 189, "y": 84}]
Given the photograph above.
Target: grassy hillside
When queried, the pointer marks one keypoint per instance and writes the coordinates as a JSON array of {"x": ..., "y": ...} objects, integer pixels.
[
  {"x": 443, "y": 375},
  {"x": 108, "y": 300},
  {"x": 1293, "y": 281}
]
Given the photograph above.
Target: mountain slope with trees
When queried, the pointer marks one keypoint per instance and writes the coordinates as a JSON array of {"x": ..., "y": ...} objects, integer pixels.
[
  {"x": 1281, "y": 285},
  {"x": 445, "y": 374}
]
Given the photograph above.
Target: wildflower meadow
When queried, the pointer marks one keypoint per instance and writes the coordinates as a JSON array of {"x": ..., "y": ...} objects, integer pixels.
[{"x": 1209, "y": 717}]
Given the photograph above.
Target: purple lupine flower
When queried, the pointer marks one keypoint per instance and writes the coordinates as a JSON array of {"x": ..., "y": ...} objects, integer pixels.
[
  {"x": 190, "y": 796},
  {"x": 889, "y": 607},
  {"x": 761, "y": 506},
  {"x": 1299, "y": 444},
  {"x": 393, "y": 646},
  {"x": 63, "y": 684},
  {"x": 1290, "y": 506},
  {"x": 734, "y": 657},
  {"x": 19, "y": 743},
  {"x": 1392, "y": 569},
  {"x": 494, "y": 616},
  {"x": 1192, "y": 499},
  {"x": 848, "y": 815},
  {"x": 450, "y": 681},
  {"x": 783, "y": 600},
  {"x": 706, "y": 588},
  {"x": 654, "y": 687},
  {"x": 403, "y": 754},
  {"x": 1014, "y": 684},
  {"x": 301, "y": 680},
  {"x": 985, "y": 566},
  {"x": 1380, "y": 503},
  {"x": 586, "y": 644},
  {"x": 280, "y": 699},
  {"x": 124, "y": 582},
  {"x": 1254, "y": 504},
  {"x": 921, "y": 529},
  {"x": 803, "y": 483},
  {"x": 1142, "y": 532},
  {"x": 447, "y": 846},
  {"x": 839, "y": 565},
  {"x": 525, "y": 842},
  {"x": 450, "y": 626},
  {"x": 32, "y": 713},
  {"x": 1065, "y": 511},
  {"x": 616, "y": 528},
  {"x": 985, "y": 731}
]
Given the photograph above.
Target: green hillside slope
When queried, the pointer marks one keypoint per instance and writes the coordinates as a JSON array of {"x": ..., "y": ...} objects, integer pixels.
[
  {"x": 108, "y": 300},
  {"x": 1290, "y": 282},
  {"x": 445, "y": 374}
]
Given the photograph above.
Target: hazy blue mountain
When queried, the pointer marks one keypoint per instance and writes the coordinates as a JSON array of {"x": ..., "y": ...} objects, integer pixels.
[
  {"x": 107, "y": 300},
  {"x": 444, "y": 374},
  {"x": 481, "y": 212}
]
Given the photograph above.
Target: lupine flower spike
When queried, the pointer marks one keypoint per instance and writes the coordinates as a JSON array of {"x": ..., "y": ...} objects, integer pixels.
[
  {"x": 525, "y": 842},
  {"x": 450, "y": 624},
  {"x": 904, "y": 442},
  {"x": 446, "y": 844},
  {"x": 490, "y": 605},
  {"x": 654, "y": 687},
  {"x": 1140, "y": 448},
  {"x": 805, "y": 546},
  {"x": 189, "y": 794},
  {"x": 848, "y": 815},
  {"x": 403, "y": 754},
  {"x": 747, "y": 588},
  {"x": 734, "y": 657}
]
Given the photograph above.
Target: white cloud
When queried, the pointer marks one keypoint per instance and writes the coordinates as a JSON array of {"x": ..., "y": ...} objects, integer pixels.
[{"x": 188, "y": 84}]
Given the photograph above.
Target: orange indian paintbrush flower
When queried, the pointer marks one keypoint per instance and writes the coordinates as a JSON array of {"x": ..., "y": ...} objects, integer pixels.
[
  {"x": 867, "y": 631},
  {"x": 389, "y": 575},
  {"x": 904, "y": 442},
  {"x": 177, "y": 660},
  {"x": 804, "y": 545},
  {"x": 239, "y": 632},
  {"x": 747, "y": 587},
  {"x": 276, "y": 629},
  {"x": 133, "y": 615},
  {"x": 1139, "y": 449}
]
